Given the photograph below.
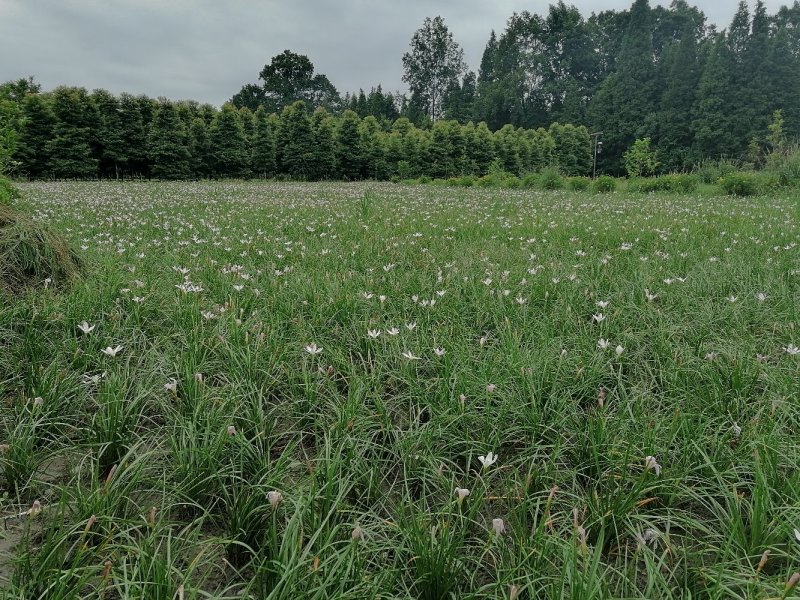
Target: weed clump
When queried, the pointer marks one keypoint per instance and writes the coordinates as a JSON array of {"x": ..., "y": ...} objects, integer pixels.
[{"x": 31, "y": 255}]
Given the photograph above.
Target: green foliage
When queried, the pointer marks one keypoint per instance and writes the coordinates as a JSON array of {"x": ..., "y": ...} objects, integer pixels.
[
  {"x": 741, "y": 184},
  {"x": 710, "y": 171},
  {"x": 168, "y": 144},
  {"x": 604, "y": 184},
  {"x": 8, "y": 192},
  {"x": 229, "y": 153},
  {"x": 432, "y": 66},
  {"x": 33, "y": 255},
  {"x": 640, "y": 160},
  {"x": 551, "y": 179},
  {"x": 680, "y": 183},
  {"x": 579, "y": 184}
]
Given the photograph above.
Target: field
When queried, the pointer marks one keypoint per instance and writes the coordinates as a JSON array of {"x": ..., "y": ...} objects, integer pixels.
[{"x": 384, "y": 391}]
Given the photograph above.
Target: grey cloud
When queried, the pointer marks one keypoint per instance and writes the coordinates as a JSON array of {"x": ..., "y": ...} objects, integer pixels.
[{"x": 206, "y": 49}]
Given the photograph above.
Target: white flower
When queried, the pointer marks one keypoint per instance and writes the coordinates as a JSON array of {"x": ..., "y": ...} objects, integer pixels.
[
  {"x": 792, "y": 350},
  {"x": 797, "y": 535},
  {"x": 731, "y": 298},
  {"x": 650, "y": 296},
  {"x": 498, "y": 526},
  {"x": 313, "y": 349},
  {"x": 602, "y": 343},
  {"x": 650, "y": 464},
  {"x": 439, "y": 351},
  {"x": 712, "y": 356},
  {"x": 112, "y": 352},
  {"x": 736, "y": 430},
  {"x": 602, "y": 303},
  {"x": 761, "y": 296},
  {"x": 171, "y": 386},
  {"x": 488, "y": 460},
  {"x": 86, "y": 328},
  {"x": 461, "y": 493},
  {"x": 598, "y": 318},
  {"x": 373, "y": 333},
  {"x": 619, "y": 350},
  {"x": 407, "y": 354},
  {"x": 231, "y": 430},
  {"x": 490, "y": 387},
  {"x": 411, "y": 326},
  {"x": 393, "y": 331}
]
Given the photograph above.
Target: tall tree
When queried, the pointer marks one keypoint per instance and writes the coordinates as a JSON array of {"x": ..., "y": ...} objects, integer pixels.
[
  {"x": 263, "y": 157},
  {"x": 296, "y": 142},
  {"x": 349, "y": 153},
  {"x": 228, "y": 144},
  {"x": 168, "y": 144},
  {"x": 432, "y": 66},
  {"x": 69, "y": 149},
  {"x": 36, "y": 131},
  {"x": 288, "y": 77}
]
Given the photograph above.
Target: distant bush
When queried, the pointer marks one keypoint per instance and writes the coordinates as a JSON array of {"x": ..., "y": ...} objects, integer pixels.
[
  {"x": 604, "y": 184},
  {"x": 579, "y": 184},
  {"x": 7, "y": 192},
  {"x": 551, "y": 179},
  {"x": 531, "y": 180},
  {"x": 786, "y": 167},
  {"x": 712, "y": 171},
  {"x": 740, "y": 184},
  {"x": 499, "y": 179}
]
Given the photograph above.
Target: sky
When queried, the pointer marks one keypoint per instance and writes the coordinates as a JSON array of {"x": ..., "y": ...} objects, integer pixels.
[{"x": 206, "y": 50}]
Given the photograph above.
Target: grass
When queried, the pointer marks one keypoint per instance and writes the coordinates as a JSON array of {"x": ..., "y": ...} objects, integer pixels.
[{"x": 629, "y": 358}]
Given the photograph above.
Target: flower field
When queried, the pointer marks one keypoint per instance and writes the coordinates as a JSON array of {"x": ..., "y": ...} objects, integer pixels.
[{"x": 369, "y": 390}]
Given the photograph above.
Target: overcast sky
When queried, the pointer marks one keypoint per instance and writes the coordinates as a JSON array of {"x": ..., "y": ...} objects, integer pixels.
[{"x": 206, "y": 49}]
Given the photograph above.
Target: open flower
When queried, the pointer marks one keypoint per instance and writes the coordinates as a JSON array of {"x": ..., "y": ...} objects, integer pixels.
[
  {"x": 602, "y": 343},
  {"x": 407, "y": 354},
  {"x": 792, "y": 350},
  {"x": 86, "y": 328},
  {"x": 373, "y": 333},
  {"x": 488, "y": 460},
  {"x": 438, "y": 351},
  {"x": 111, "y": 352},
  {"x": 313, "y": 349}
]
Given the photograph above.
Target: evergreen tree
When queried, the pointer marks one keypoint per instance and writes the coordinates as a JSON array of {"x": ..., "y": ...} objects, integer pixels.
[
  {"x": 168, "y": 144},
  {"x": 69, "y": 149},
  {"x": 713, "y": 128},
  {"x": 295, "y": 140},
  {"x": 113, "y": 152},
  {"x": 202, "y": 162},
  {"x": 481, "y": 149},
  {"x": 35, "y": 133},
  {"x": 228, "y": 144},
  {"x": 349, "y": 153},
  {"x": 134, "y": 135},
  {"x": 263, "y": 157},
  {"x": 324, "y": 157},
  {"x": 629, "y": 94}
]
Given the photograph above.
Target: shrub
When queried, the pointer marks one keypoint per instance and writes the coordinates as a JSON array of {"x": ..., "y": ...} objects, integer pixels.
[
  {"x": 7, "y": 191},
  {"x": 551, "y": 179},
  {"x": 604, "y": 184},
  {"x": 31, "y": 254},
  {"x": 531, "y": 180},
  {"x": 786, "y": 167},
  {"x": 712, "y": 171},
  {"x": 740, "y": 184},
  {"x": 579, "y": 184}
]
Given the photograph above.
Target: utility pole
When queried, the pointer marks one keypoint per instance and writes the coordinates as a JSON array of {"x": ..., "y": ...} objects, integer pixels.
[{"x": 597, "y": 144}]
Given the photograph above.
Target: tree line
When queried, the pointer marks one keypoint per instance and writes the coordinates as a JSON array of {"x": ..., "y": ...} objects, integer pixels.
[
  {"x": 71, "y": 133},
  {"x": 656, "y": 73}
]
